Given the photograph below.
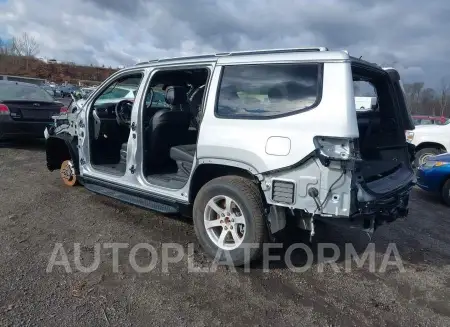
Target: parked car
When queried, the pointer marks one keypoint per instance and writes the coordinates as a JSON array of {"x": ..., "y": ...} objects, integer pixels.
[
  {"x": 365, "y": 103},
  {"x": 434, "y": 176},
  {"x": 85, "y": 91},
  {"x": 49, "y": 90},
  {"x": 52, "y": 90},
  {"x": 430, "y": 120},
  {"x": 57, "y": 92},
  {"x": 25, "y": 110},
  {"x": 67, "y": 90},
  {"x": 429, "y": 140},
  {"x": 253, "y": 164}
]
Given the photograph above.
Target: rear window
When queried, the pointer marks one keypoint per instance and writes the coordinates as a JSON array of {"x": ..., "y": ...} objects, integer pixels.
[
  {"x": 267, "y": 91},
  {"x": 12, "y": 91}
]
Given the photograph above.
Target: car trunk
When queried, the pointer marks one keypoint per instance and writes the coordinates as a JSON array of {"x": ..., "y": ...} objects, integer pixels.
[
  {"x": 36, "y": 111},
  {"x": 385, "y": 156}
]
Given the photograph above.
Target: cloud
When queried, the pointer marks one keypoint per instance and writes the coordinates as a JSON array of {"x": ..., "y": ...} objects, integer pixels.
[{"x": 408, "y": 34}]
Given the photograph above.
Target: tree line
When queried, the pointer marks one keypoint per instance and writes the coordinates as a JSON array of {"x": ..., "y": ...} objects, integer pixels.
[
  {"x": 23, "y": 45},
  {"x": 429, "y": 101},
  {"x": 18, "y": 57}
]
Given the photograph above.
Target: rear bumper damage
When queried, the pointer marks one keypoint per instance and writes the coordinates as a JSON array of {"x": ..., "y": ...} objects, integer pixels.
[{"x": 379, "y": 210}]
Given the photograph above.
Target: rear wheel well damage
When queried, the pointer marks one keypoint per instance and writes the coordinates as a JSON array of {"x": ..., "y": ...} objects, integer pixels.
[{"x": 59, "y": 149}]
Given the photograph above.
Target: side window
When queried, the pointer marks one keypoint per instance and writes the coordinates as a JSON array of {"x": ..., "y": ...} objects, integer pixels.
[
  {"x": 122, "y": 88},
  {"x": 365, "y": 95},
  {"x": 268, "y": 91}
]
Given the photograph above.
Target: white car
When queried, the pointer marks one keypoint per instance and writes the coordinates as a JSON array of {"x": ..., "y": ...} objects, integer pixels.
[
  {"x": 365, "y": 103},
  {"x": 430, "y": 140},
  {"x": 243, "y": 142}
]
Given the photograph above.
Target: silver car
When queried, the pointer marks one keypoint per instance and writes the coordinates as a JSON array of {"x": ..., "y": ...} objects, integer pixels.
[{"x": 243, "y": 142}]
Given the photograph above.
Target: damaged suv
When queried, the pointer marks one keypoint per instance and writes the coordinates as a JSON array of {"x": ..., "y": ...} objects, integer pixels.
[{"x": 243, "y": 142}]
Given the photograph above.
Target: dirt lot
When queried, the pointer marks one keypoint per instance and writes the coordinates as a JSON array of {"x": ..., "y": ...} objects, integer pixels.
[{"x": 37, "y": 211}]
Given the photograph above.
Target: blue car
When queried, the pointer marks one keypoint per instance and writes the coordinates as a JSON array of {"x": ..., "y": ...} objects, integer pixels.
[{"x": 434, "y": 176}]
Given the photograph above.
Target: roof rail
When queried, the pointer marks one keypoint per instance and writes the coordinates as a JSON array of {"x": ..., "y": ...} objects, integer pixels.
[
  {"x": 270, "y": 51},
  {"x": 237, "y": 53},
  {"x": 177, "y": 58},
  {"x": 364, "y": 62}
]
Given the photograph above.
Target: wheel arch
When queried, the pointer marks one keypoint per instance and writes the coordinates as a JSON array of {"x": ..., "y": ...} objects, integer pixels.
[
  {"x": 59, "y": 148},
  {"x": 444, "y": 181},
  {"x": 435, "y": 145},
  {"x": 208, "y": 171}
]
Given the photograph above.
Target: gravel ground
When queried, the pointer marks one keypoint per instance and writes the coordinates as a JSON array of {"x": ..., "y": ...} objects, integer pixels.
[{"x": 37, "y": 211}]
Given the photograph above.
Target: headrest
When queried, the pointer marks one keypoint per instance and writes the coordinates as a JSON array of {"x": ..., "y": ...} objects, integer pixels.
[{"x": 176, "y": 95}]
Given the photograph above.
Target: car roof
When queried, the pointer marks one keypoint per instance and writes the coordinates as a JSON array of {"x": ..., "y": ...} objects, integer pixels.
[
  {"x": 17, "y": 83},
  {"x": 311, "y": 53}
]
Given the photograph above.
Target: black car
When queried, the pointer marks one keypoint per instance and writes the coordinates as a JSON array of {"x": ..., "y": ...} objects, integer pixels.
[{"x": 25, "y": 110}]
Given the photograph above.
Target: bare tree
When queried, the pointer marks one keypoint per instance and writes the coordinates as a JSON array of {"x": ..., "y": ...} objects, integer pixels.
[
  {"x": 444, "y": 95},
  {"x": 412, "y": 94},
  {"x": 427, "y": 101},
  {"x": 25, "y": 45}
]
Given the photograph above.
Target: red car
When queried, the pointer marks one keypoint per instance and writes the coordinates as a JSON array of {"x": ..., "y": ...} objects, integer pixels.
[{"x": 429, "y": 120}]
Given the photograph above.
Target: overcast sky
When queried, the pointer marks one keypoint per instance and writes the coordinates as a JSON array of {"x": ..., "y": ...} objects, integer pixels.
[{"x": 412, "y": 35}]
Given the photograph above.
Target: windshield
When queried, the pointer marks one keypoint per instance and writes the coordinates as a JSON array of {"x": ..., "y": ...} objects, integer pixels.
[{"x": 12, "y": 91}]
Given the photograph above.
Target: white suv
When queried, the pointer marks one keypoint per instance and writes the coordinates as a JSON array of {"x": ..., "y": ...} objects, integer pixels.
[
  {"x": 243, "y": 142},
  {"x": 429, "y": 140}
]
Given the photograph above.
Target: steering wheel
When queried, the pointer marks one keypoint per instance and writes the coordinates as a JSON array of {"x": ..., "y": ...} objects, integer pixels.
[{"x": 123, "y": 112}]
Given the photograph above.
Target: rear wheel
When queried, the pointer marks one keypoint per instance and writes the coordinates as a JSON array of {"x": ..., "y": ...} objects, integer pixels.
[
  {"x": 228, "y": 218},
  {"x": 68, "y": 174},
  {"x": 445, "y": 193},
  {"x": 423, "y": 155}
]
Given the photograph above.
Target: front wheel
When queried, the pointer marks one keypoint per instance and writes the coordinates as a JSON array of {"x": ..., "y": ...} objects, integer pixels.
[
  {"x": 423, "y": 155},
  {"x": 229, "y": 220}
]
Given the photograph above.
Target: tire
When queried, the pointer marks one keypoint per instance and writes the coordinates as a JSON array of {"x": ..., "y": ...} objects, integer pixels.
[
  {"x": 245, "y": 196},
  {"x": 445, "y": 192},
  {"x": 424, "y": 153}
]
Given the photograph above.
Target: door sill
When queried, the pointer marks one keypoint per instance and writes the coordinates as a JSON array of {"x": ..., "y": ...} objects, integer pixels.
[{"x": 136, "y": 197}]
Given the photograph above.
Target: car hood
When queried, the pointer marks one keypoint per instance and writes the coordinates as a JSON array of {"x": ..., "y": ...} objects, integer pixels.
[
  {"x": 445, "y": 157},
  {"x": 432, "y": 129}
]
